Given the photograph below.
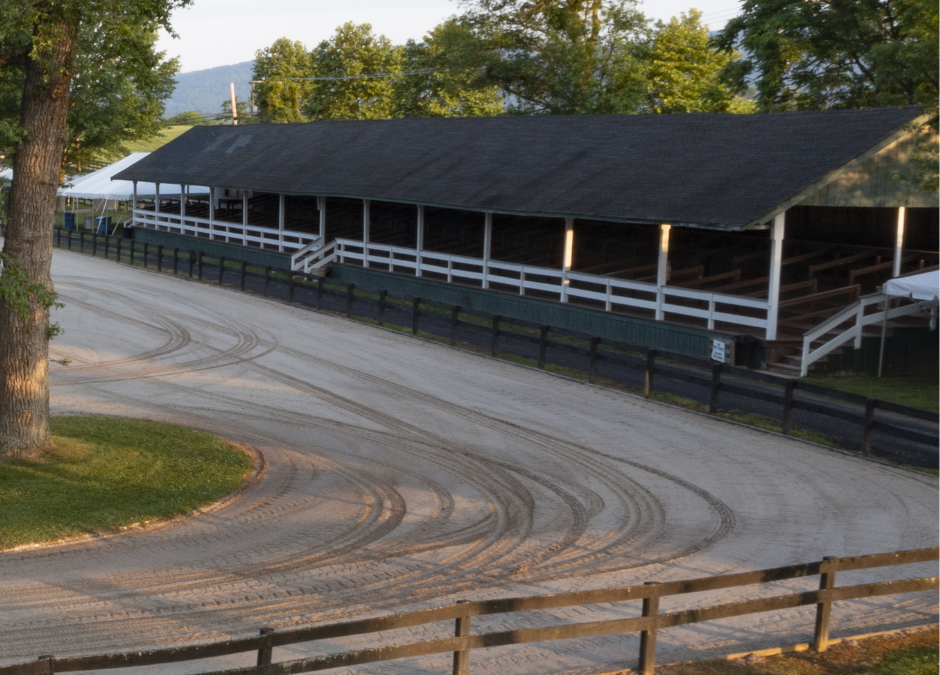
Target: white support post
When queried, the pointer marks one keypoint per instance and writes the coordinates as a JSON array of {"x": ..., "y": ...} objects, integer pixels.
[
  {"x": 245, "y": 218},
  {"x": 419, "y": 240},
  {"x": 280, "y": 223},
  {"x": 487, "y": 248},
  {"x": 366, "y": 223},
  {"x": 776, "y": 258},
  {"x": 662, "y": 270},
  {"x": 899, "y": 242},
  {"x": 182, "y": 203},
  {"x": 156, "y": 201},
  {"x": 211, "y": 213},
  {"x": 569, "y": 256},
  {"x": 134, "y": 205},
  {"x": 321, "y": 206}
]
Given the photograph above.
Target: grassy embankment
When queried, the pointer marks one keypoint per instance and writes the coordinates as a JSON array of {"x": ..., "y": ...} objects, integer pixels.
[
  {"x": 909, "y": 653},
  {"x": 919, "y": 391},
  {"x": 107, "y": 474}
]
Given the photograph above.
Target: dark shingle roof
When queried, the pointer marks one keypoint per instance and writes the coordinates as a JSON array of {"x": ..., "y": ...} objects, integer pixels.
[{"x": 705, "y": 170}]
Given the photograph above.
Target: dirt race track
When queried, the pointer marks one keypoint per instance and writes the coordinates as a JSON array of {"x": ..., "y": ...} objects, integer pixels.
[{"x": 402, "y": 474}]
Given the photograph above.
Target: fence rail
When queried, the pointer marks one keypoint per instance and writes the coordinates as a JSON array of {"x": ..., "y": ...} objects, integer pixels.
[
  {"x": 220, "y": 230},
  {"x": 567, "y": 348},
  {"x": 650, "y": 621},
  {"x": 708, "y": 306}
]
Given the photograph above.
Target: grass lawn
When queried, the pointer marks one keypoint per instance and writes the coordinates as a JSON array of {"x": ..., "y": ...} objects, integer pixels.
[
  {"x": 106, "y": 474},
  {"x": 915, "y": 391},
  {"x": 161, "y": 139},
  {"x": 909, "y": 653}
]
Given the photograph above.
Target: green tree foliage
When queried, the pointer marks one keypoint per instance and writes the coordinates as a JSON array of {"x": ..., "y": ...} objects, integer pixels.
[
  {"x": 685, "y": 70},
  {"x": 119, "y": 85},
  {"x": 355, "y": 56},
  {"x": 555, "y": 56},
  {"x": 189, "y": 118},
  {"x": 836, "y": 54},
  {"x": 112, "y": 102},
  {"x": 431, "y": 89},
  {"x": 280, "y": 91}
]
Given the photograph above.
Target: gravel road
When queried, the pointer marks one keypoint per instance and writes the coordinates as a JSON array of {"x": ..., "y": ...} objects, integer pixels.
[{"x": 404, "y": 474}]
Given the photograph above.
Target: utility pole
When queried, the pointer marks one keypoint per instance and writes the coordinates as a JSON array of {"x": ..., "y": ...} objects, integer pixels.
[{"x": 234, "y": 105}]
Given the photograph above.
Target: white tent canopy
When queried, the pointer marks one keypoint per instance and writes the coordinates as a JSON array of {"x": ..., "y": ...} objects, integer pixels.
[
  {"x": 924, "y": 286},
  {"x": 98, "y": 185}
]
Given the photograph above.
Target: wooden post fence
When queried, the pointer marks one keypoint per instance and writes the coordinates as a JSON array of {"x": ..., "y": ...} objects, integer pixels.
[
  {"x": 650, "y": 372},
  {"x": 543, "y": 345},
  {"x": 716, "y": 389},
  {"x": 415, "y": 313},
  {"x": 454, "y": 317}
]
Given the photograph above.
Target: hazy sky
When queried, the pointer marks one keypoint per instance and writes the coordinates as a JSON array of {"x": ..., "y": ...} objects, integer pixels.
[{"x": 221, "y": 32}]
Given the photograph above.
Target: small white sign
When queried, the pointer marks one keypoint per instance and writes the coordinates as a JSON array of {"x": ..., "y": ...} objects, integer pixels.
[{"x": 718, "y": 351}]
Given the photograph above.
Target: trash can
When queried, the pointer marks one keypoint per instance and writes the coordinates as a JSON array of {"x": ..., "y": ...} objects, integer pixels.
[
  {"x": 103, "y": 224},
  {"x": 69, "y": 221}
]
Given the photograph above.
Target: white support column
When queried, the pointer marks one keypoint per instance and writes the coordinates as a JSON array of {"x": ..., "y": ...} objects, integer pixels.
[
  {"x": 134, "y": 205},
  {"x": 419, "y": 243},
  {"x": 662, "y": 270},
  {"x": 245, "y": 218},
  {"x": 211, "y": 213},
  {"x": 182, "y": 203},
  {"x": 899, "y": 242},
  {"x": 156, "y": 199},
  {"x": 776, "y": 258},
  {"x": 280, "y": 223},
  {"x": 487, "y": 248},
  {"x": 568, "y": 257},
  {"x": 366, "y": 224},
  {"x": 321, "y": 206}
]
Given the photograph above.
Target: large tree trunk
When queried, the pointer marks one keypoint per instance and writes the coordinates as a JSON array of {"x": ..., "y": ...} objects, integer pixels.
[{"x": 24, "y": 345}]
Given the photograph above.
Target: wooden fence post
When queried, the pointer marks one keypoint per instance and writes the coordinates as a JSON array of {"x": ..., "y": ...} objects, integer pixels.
[
  {"x": 788, "y": 406},
  {"x": 146, "y": 252},
  {"x": 869, "y": 424},
  {"x": 382, "y": 295},
  {"x": 267, "y": 280},
  {"x": 415, "y": 312},
  {"x": 266, "y": 652},
  {"x": 58, "y": 238},
  {"x": 176, "y": 260},
  {"x": 118, "y": 251},
  {"x": 494, "y": 348},
  {"x": 827, "y": 581},
  {"x": 69, "y": 241},
  {"x": 462, "y": 657},
  {"x": 454, "y": 314},
  {"x": 350, "y": 296},
  {"x": 543, "y": 345},
  {"x": 716, "y": 388},
  {"x": 160, "y": 258},
  {"x": 647, "y": 661},
  {"x": 650, "y": 371},
  {"x": 50, "y": 669},
  {"x": 244, "y": 274},
  {"x": 94, "y": 243},
  {"x": 199, "y": 263},
  {"x": 221, "y": 270},
  {"x": 290, "y": 288},
  {"x": 592, "y": 369},
  {"x": 81, "y": 241},
  {"x": 320, "y": 293},
  {"x": 107, "y": 246},
  {"x": 133, "y": 246}
]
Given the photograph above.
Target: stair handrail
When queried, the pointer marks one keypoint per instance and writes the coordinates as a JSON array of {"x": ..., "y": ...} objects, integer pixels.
[
  {"x": 857, "y": 309},
  {"x": 311, "y": 256}
]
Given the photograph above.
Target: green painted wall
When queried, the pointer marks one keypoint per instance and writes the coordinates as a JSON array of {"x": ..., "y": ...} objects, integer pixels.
[
  {"x": 215, "y": 249},
  {"x": 677, "y": 339}
]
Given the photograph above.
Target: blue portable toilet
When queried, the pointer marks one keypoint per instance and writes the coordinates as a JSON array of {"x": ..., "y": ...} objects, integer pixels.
[
  {"x": 104, "y": 224},
  {"x": 69, "y": 221}
]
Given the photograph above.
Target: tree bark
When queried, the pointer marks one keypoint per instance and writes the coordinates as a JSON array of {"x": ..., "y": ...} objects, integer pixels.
[{"x": 24, "y": 345}]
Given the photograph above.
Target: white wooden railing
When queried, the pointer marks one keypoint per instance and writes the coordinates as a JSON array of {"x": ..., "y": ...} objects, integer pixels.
[
  {"x": 711, "y": 307},
  {"x": 220, "y": 230},
  {"x": 856, "y": 313},
  {"x": 313, "y": 255}
]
